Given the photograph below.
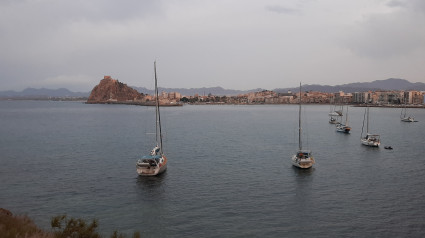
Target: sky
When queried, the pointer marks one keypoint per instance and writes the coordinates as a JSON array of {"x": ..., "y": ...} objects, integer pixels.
[{"x": 234, "y": 44}]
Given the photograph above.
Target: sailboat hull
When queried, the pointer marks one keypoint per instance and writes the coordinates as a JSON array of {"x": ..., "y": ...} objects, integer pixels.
[
  {"x": 333, "y": 121},
  {"x": 305, "y": 163},
  {"x": 147, "y": 168},
  {"x": 343, "y": 129},
  {"x": 370, "y": 143},
  {"x": 408, "y": 119}
]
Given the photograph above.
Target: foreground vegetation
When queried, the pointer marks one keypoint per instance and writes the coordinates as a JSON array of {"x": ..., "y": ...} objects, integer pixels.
[{"x": 21, "y": 226}]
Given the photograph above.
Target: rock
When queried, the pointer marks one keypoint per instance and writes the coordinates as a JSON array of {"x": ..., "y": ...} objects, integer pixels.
[{"x": 111, "y": 90}]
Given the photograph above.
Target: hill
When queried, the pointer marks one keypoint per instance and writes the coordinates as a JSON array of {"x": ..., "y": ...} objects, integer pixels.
[{"x": 111, "y": 90}]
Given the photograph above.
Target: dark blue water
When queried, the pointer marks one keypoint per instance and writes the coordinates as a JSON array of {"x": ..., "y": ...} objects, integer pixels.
[{"x": 229, "y": 172}]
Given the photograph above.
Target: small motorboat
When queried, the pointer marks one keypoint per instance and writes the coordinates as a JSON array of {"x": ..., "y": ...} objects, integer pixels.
[{"x": 388, "y": 147}]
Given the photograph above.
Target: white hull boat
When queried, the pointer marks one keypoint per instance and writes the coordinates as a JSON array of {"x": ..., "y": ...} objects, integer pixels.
[
  {"x": 303, "y": 158},
  {"x": 404, "y": 117},
  {"x": 151, "y": 165},
  {"x": 155, "y": 163},
  {"x": 372, "y": 140},
  {"x": 344, "y": 128},
  {"x": 408, "y": 119}
]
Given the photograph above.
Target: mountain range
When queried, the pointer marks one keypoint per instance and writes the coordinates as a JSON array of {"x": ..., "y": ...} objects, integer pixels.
[
  {"x": 387, "y": 84},
  {"x": 43, "y": 93}
]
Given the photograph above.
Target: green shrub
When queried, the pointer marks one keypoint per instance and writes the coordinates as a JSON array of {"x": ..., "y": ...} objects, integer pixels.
[
  {"x": 20, "y": 226},
  {"x": 65, "y": 227},
  {"x": 12, "y": 226}
]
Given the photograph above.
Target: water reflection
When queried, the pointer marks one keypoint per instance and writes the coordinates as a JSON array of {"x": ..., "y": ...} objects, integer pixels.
[
  {"x": 303, "y": 172},
  {"x": 370, "y": 149},
  {"x": 151, "y": 181},
  {"x": 151, "y": 187}
]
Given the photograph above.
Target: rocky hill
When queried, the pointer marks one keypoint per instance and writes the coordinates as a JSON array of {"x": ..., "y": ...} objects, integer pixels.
[{"x": 111, "y": 90}]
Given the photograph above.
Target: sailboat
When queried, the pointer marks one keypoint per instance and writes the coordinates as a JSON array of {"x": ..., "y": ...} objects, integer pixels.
[
  {"x": 344, "y": 128},
  {"x": 156, "y": 162},
  {"x": 334, "y": 114},
  {"x": 403, "y": 116},
  {"x": 370, "y": 139},
  {"x": 303, "y": 158}
]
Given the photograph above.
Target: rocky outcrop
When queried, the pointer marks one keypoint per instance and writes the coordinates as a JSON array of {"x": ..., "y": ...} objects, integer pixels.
[{"x": 111, "y": 90}]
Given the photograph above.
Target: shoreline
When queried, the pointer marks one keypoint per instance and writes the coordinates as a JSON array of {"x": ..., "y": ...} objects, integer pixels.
[
  {"x": 179, "y": 104},
  {"x": 150, "y": 104}
]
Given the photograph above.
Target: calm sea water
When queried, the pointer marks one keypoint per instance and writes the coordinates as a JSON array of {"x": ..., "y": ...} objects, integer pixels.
[{"x": 229, "y": 171}]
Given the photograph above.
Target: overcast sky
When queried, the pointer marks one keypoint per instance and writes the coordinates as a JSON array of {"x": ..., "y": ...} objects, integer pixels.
[{"x": 235, "y": 44}]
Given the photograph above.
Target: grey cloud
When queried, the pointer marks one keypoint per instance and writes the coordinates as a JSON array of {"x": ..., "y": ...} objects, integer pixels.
[
  {"x": 387, "y": 35},
  {"x": 203, "y": 43},
  {"x": 411, "y": 5},
  {"x": 282, "y": 10},
  {"x": 396, "y": 3}
]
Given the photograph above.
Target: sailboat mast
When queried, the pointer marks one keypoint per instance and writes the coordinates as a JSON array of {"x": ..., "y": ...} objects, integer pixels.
[
  {"x": 367, "y": 122},
  {"x": 158, "y": 116},
  {"x": 404, "y": 110},
  {"x": 346, "y": 118},
  {"x": 299, "y": 122}
]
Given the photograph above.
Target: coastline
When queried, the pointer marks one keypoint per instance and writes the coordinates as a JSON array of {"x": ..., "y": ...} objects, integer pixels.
[
  {"x": 139, "y": 103},
  {"x": 389, "y": 106}
]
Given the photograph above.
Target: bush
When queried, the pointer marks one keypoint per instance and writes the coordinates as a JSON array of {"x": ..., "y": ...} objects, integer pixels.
[
  {"x": 71, "y": 227},
  {"x": 20, "y": 226},
  {"x": 63, "y": 227}
]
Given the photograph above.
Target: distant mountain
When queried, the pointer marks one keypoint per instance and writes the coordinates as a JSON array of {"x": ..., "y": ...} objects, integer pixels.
[
  {"x": 42, "y": 93},
  {"x": 387, "y": 84},
  {"x": 218, "y": 91}
]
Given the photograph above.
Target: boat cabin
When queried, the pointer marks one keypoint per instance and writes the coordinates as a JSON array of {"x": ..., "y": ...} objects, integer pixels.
[
  {"x": 153, "y": 160},
  {"x": 372, "y": 137},
  {"x": 304, "y": 154}
]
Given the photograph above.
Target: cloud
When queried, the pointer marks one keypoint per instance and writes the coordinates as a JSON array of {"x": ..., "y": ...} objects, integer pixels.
[
  {"x": 71, "y": 82},
  {"x": 206, "y": 43},
  {"x": 412, "y": 5},
  {"x": 395, "y": 33},
  {"x": 282, "y": 10}
]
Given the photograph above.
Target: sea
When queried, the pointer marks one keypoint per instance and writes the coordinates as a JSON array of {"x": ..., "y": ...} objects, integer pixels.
[{"x": 229, "y": 170}]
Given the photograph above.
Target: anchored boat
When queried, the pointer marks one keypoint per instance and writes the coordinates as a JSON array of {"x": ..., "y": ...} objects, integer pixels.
[
  {"x": 303, "y": 158},
  {"x": 156, "y": 162},
  {"x": 370, "y": 139}
]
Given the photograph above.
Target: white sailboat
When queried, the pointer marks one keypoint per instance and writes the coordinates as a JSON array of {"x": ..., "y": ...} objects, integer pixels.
[
  {"x": 303, "y": 158},
  {"x": 334, "y": 114},
  {"x": 344, "y": 128},
  {"x": 372, "y": 140},
  {"x": 333, "y": 119},
  {"x": 156, "y": 162},
  {"x": 404, "y": 117}
]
